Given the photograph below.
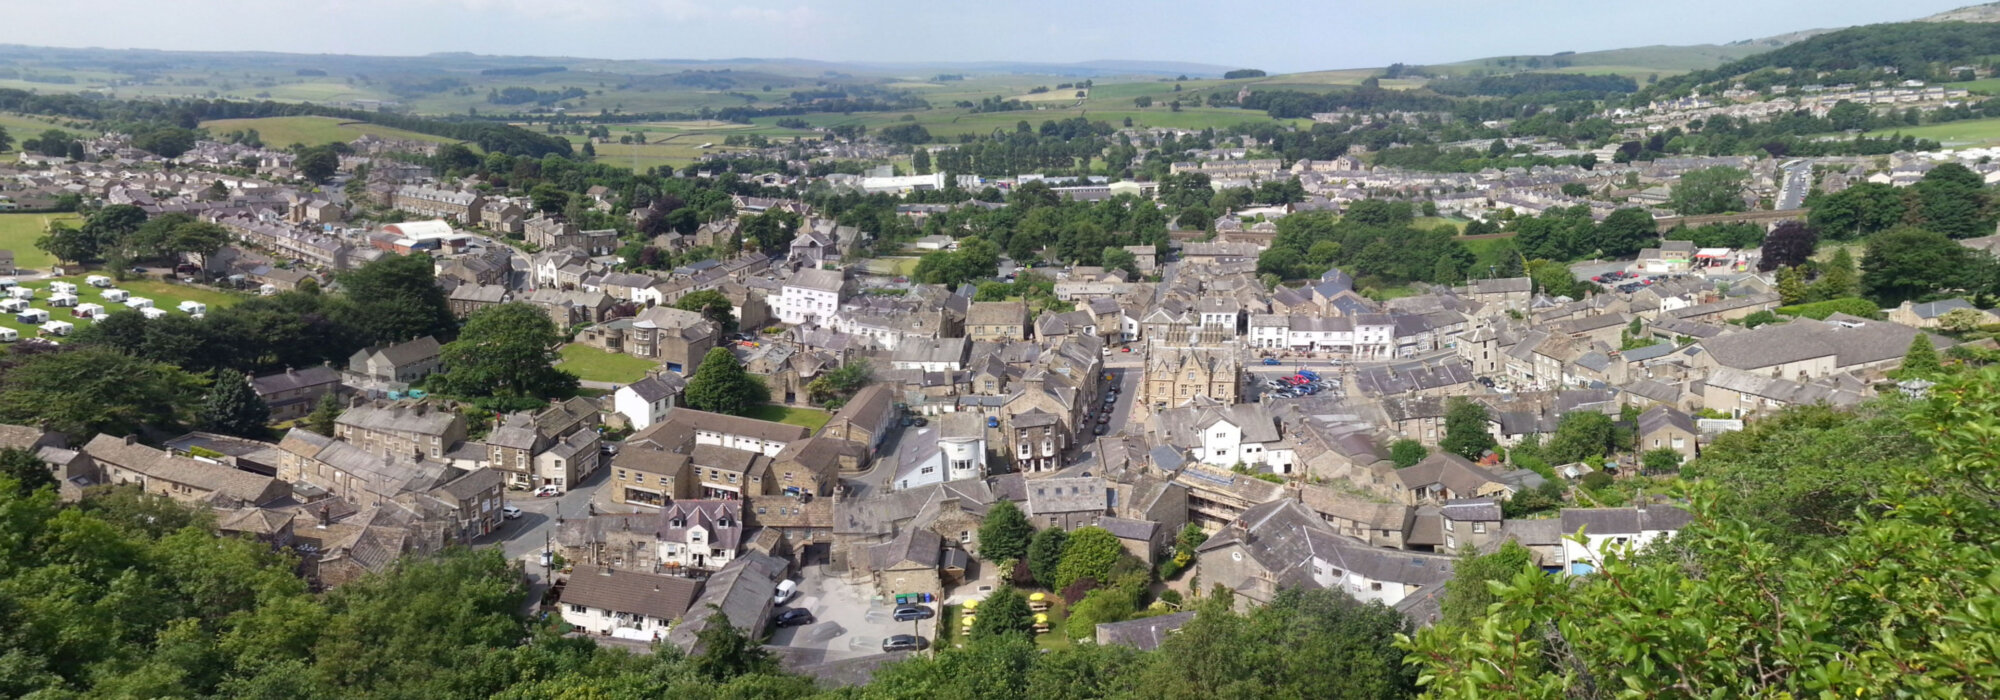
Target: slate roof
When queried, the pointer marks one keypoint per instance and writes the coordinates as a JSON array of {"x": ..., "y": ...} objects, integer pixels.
[
  {"x": 652, "y": 595},
  {"x": 291, "y": 380},
  {"x": 1144, "y": 634},
  {"x": 1066, "y": 495},
  {"x": 1625, "y": 521}
]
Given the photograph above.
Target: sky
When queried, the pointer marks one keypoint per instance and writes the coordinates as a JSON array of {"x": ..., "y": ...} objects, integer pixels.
[{"x": 1274, "y": 36}]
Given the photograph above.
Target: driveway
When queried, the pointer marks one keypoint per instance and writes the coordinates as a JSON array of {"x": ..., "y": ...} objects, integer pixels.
[
  {"x": 527, "y": 534},
  {"x": 848, "y": 619}
]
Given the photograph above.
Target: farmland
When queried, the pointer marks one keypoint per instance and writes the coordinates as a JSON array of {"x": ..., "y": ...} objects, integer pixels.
[
  {"x": 279, "y": 132},
  {"x": 1970, "y": 132},
  {"x": 18, "y": 233}
]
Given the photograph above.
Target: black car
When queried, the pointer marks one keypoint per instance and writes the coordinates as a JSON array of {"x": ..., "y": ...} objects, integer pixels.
[
  {"x": 903, "y": 642},
  {"x": 794, "y": 617},
  {"x": 906, "y": 613},
  {"x": 1099, "y": 430}
]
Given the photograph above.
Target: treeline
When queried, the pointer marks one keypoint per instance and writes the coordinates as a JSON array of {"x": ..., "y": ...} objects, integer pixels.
[
  {"x": 523, "y": 95},
  {"x": 522, "y": 71},
  {"x": 1921, "y": 50},
  {"x": 1376, "y": 242},
  {"x": 1294, "y": 104},
  {"x": 1597, "y": 86},
  {"x": 188, "y": 114}
]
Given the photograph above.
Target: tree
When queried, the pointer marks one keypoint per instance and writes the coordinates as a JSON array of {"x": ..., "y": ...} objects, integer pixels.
[
  {"x": 504, "y": 360},
  {"x": 233, "y": 408},
  {"x": 720, "y": 385},
  {"x": 920, "y": 161},
  {"x": 1005, "y": 612},
  {"x": 1045, "y": 554},
  {"x": 24, "y": 470},
  {"x": 1115, "y": 258},
  {"x": 395, "y": 299},
  {"x": 1951, "y": 199},
  {"x": 165, "y": 142},
  {"x": 1005, "y": 534},
  {"x": 833, "y": 388},
  {"x": 1908, "y": 263},
  {"x": 1465, "y": 429},
  {"x": 1142, "y": 101},
  {"x": 1792, "y": 285},
  {"x": 1089, "y": 553},
  {"x": 325, "y": 414},
  {"x": 1661, "y": 460},
  {"x": 549, "y": 199},
  {"x": 1313, "y": 643},
  {"x": 68, "y": 243},
  {"x": 1961, "y": 320},
  {"x": 317, "y": 164},
  {"x": 1789, "y": 245},
  {"x": 713, "y": 306},
  {"x": 89, "y": 390},
  {"x": 6, "y": 141},
  {"x": 1581, "y": 436},
  {"x": 1837, "y": 278},
  {"x": 1626, "y": 231},
  {"x": 1715, "y": 190},
  {"x": 1467, "y": 595},
  {"x": 589, "y": 151},
  {"x": 726, "y": 652},
  {"x": 1407, "y": 452},
  {"x": 1921, "y": 360}
]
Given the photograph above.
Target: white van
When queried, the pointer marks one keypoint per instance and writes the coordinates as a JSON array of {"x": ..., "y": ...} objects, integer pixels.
[
  {"x": 62, "y": 287},
  {"x": 98, "y": 281},
  {"x": 151, "y": 313},
  {"x": 193, "y": 307},
  {"x": 138, "y": 303},
  {"x": 786, "y": 589},
  {"x": 116, "y": 295}
]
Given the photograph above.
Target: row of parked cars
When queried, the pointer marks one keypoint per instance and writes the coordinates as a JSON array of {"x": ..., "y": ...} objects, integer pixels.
[
  {"x": 796, "y": 617},
  {"x": 1305, "y": 383}
]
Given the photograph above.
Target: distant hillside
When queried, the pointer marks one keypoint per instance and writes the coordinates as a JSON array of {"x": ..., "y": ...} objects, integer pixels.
[
  {"x": 1989, "y": 12},
  {"x": 1915, "y": 49}
]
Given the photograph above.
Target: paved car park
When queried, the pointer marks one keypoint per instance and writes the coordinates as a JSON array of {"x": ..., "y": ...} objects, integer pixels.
[{"x": 848, "y": 619}]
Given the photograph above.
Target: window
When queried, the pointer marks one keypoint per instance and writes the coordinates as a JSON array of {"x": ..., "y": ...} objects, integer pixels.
[
  {"x": 1375, "y": 586},
  {"x": 964, "y": 536},
  {"x": 578, "y": 609},
  {"x": 1450, "y": 542},
  {"x": 1447, "y": 525},
  {"x": 1479, "y": 528}
]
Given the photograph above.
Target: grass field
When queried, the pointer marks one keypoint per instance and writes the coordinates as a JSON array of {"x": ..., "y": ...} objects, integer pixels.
[
  {"x": 18, "y": 233},
  {"x": 1970, "y": 132},
  {"x": 279, "y": 132},
  {"x": 165, "y": 296},
  {"x": 21, "y": 127},
  {"x": 592, "y": 364},
  {"x": 809, "y": 418}
]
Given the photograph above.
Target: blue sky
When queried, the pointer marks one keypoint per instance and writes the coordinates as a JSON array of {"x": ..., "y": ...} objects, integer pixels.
[{"x": 1275, "y": 36}]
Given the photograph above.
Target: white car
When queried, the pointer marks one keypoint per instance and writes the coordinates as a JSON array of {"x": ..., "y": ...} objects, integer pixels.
[
  {"x": 510, "y": 512},
  {"x": 786, "y": 589}
]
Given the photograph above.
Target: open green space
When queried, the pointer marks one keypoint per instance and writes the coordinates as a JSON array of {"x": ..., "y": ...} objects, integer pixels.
[
  {"x": 279, "y": 132},
  {"x": 809, "y": 418},
  {"x": 166, "y": 297},
  {"x": 20, "y": 127},
  {"x": 18, "y": 233},
  {"x": 592, "y": 364},
  {"x": 1969, "y": 132}
]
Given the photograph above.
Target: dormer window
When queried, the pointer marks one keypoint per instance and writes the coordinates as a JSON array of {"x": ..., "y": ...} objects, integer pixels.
[{"x": 679, "y": 522}]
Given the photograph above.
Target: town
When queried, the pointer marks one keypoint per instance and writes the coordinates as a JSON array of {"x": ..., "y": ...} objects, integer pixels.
[{"x": 837, "y": 406}]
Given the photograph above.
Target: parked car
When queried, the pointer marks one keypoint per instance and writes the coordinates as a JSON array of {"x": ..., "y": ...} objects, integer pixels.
[
  {"x": 786, "y": 589},
  {"x": 1099, "y": 430},
  {"x": 548, "y": 490},
  {"x": 510, "y": 512},
  {"x": 1271, "y": 361},
  {"x": 793, "y": 618},
  {"x": 906, "y": 613},
  {"x": 903, "y": 642}
]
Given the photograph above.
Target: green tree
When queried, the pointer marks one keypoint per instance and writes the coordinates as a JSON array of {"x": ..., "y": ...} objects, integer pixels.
[
  {"x": 68, "y": 243},
  {"x": 233, "y": 408},
  {"x": 395, "y": 299},
  {"x": 1407, "y": 452},
  {"x": 1800, "y": 475},
  {"x": 549, "y": 198},
  {"x": 317, "y": 164},
  {"x": 1005, "y": 612},
  {"x": 1951, "y": 199},
  {"x": 1305, "y": 644},
  {"x": 1005, "y": 533},
  {"x": 1661, "y": 460},
  {"x": 1581, "y": 436},
  {"x": 1908, "y": 263},
  {"x": 86, "y": 391},
  {"x": 833, "y": 388},
  {"x": 1045, "y": 555},
  {"x": 24, "y": 470},
  {"x": 504, "y": 360},
  {"x": 713, "y": 305},
  {"x": 1715, "y": 190},
  {"x": 1089, "y": 553},
  {"x": 1100, "y": 606},
  {"x": 920, "y": 161},
  {"x": 1467, "y": 595},
  {"x": 1626, "y": 231},
  {"x": 1792, "y": 285},
  {"x": 720, "y": 385},
  {"x": 1837, "y": 278},
  {"x": 1921, "y": 361},
  {"x": 325, "y": 414},
  {"x": 1465, "y": 429},
  {"x": 1115, "y": 258},
  {"x": 726, "y": 652}
]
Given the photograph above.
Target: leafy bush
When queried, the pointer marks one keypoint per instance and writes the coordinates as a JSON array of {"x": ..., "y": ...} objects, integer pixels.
[{"x": 1819, "y": 310}]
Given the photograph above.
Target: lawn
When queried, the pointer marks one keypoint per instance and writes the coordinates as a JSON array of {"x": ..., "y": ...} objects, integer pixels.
[
  {"x": 165, "y": 296},
  {"x": 18, "y": 233},
  {"x": 809, "y": 418},
  {"x": 1969, "y": 132},
  {"x": 279, "y": 132},
  {"x": 592, "y": 364}
]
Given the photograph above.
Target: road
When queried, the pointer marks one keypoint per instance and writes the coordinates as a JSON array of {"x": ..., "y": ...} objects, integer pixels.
[
  {"x": 1798, "y": 180},
  {"x": 526, "y": 535}
]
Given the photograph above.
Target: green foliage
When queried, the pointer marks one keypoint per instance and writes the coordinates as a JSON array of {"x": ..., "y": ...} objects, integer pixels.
[
  {"x": 395, "y": 299},
  {"x": 1114, "y": 604},
  {"x": 975, "y": 259},
  {"x": 1819, "y": 310},
  {"x": 1407, "y": 452},
  {"x": 1090, "y": 552},
  {"x": 1920, "y": 361},
  {"x": 1045, "y": 555},
  {"x": 86, "y": 391},
  {"x": 1581, "y": 436},
  {"x": 1005, "y": 612},
  {"x": 720, "y": 385},
  {"x": 1837, "y": 278},
  {"x": 233, "y": 408},
  {"x": 1710, "y": 191},
  {"x": 24, "y": 471},
  {"x": 504, "y": 360},
  {"x": 1465, "y": 429},
  {"x": 325, "y": 414},
  {"x": 1802, "y": 472},
  {"x": 726, "y": 652},
  {"x": 1467, "y": 595},
  {"x": 1005, "y": 534},
  {"x": 712, "y": 305},
  {"x": 1373, "y": 240},
  {"x": 1908, "y": 263},
  {"x": 1661, "y": 460},
  {"x": 835, "y": 387}
]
